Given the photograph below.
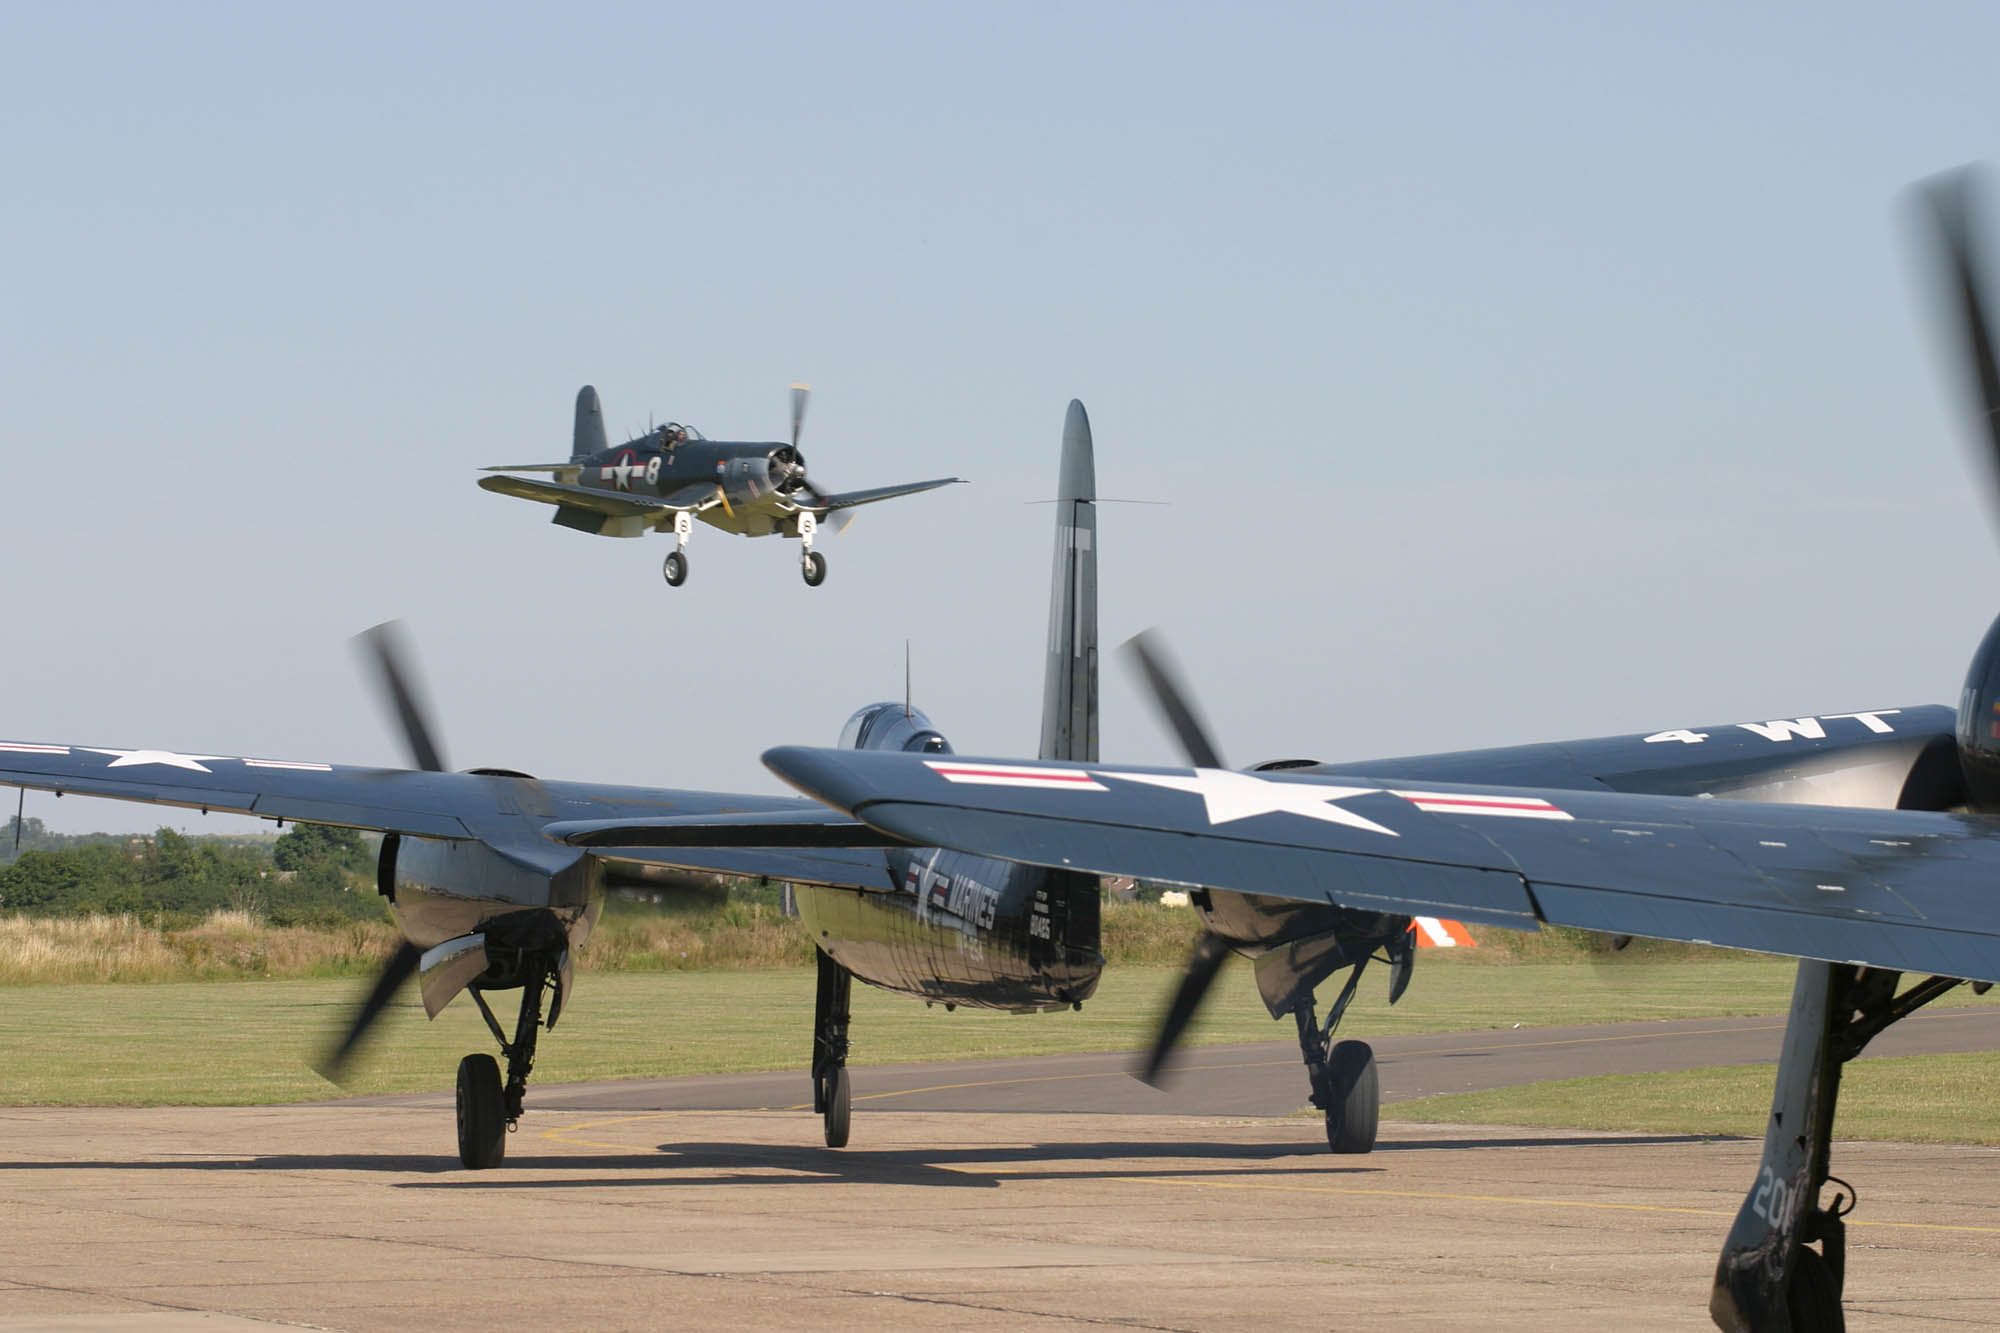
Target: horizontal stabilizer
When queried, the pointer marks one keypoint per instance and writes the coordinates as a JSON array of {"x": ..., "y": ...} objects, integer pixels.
[{"x": 756, "y": 829}]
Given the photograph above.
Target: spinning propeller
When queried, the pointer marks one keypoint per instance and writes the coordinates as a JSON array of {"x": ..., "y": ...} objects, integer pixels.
[
  {"x": 1950, "y": 203},
  {"x": 382, "y": 648},
  {"x": 839, "y": 518},
  {"x": 1177, "y": 708}
]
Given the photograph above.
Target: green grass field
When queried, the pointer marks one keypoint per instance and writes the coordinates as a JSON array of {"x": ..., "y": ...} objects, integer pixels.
[
  {"x": 1911, "y": 1099},
  {"x": 245, "y": 1042}
]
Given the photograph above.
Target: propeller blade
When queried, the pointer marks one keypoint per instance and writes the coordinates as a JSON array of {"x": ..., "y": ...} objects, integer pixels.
[
  {"x": 396, "y": 969},
  {"x": 1953, "y": 203},
  {"x": 382, "y": 647},
  {"x": 1202, "y": 965},
  {"x": 800, "y": 392},
  {"x": 1174, "y": 703},
  {"x": 839, "y": 519}
]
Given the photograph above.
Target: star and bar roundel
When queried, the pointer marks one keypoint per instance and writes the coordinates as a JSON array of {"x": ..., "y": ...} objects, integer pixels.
[{"x": 1228, "y": 795}]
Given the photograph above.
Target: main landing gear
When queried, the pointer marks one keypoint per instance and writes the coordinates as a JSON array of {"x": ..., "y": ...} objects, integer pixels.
[
  {"x": 1345, "y": 1085},
  {"x": 487, "y": 1109},
  {"x": 831, "y": 1097},
  {"x": 1768, "y": 1280},
  {"x": 812, "y": 565},
  {"x": 675, "y": 569}
]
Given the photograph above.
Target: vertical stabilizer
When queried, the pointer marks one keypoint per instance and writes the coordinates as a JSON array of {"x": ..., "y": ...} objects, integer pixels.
[
  {"x": 1069, "y": 689},
  {"x": 589, "y": 436}
]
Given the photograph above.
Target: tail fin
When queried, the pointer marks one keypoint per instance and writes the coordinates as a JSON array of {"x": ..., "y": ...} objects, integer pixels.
[
  {"x": 1069, "y": 689},
  {"x": 589, "y": 436}
]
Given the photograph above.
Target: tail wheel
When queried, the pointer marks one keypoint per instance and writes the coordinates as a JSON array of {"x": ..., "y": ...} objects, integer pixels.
[
  {"x": 1354, "y": 1103},
  {"x": 813, "y": 569},
  {"x": 839, "y": 1105},
  {"x": 482, "y": 1115},
  {"x": 675, "y": 570}
]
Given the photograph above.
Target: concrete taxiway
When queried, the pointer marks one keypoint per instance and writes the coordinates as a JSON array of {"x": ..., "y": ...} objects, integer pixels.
[{"x": 616, "y": 1210}]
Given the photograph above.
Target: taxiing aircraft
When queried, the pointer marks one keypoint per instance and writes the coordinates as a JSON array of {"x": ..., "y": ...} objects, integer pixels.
[
  {"x": 670, "y": 476},
  {"x": 1866, "y": 844}
]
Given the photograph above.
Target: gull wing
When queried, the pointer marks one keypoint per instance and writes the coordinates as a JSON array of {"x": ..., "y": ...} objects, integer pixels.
[
  {"x": 849, "y": 499},
  {"x": 615, "y": 504}
]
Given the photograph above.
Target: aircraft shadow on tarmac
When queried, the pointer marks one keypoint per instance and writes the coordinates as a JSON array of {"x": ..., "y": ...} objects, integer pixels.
[
  {"x": 747, "y": 1163},
  {"x": 751, "y": 1163}
]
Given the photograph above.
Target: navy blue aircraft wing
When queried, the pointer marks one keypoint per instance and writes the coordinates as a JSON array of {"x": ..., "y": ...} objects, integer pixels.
[
  {"x": 1881, "y": 757},
  {"x": 617, "y": 504},
  {"x": 849, "y": 499},
  {"x": 1904, "y": 890},
  {"x": 815, "y": 826},
  {"x": 775, "y": 837},
  {"x": 441, "y": 805}
]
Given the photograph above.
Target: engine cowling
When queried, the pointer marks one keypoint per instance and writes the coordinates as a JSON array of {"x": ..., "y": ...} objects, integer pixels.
[{"x": 746, "y": 480}]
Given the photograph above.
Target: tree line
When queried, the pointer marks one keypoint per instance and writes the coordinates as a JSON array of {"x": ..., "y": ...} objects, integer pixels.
[{"x": 310, "y": 875}]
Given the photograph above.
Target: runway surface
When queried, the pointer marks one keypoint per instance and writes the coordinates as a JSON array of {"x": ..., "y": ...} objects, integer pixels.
[
  {"x": 637, "y": 1208},
  {"x": 1264, "y": 1079}
]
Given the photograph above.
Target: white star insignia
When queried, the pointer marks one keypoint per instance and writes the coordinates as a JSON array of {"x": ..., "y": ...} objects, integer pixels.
[
  {"x": 167, "y": 758},
  {"x": 1231, "y": 796}
]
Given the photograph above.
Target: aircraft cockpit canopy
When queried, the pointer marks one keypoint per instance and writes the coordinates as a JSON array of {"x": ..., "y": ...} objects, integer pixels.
[{"x": 892, "y": 726}]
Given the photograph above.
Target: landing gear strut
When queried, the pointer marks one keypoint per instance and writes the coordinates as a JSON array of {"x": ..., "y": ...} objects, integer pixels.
[
  {"x": 1767, "y": 1279},
  {"x": 487, "y": 1109},
  {"x": 831, "y": 1098},
  {"x": 1345, "y": 1084},
  {"x": 675, "y": 569},
  {"x": 812, "y": 565}
]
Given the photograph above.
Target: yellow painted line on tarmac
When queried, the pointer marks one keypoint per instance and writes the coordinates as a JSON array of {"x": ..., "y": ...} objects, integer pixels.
[
  {"x": 1517, "y": 1199},
  {"x": 562, "y": 1133},
  {"x": 559, "y": 1135}
]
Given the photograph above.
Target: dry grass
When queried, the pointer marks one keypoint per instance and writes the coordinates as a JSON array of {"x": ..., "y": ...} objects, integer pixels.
[
  {"x": 225, "y": 945},
  {"x": 704, "y": 936},
  {"x": 727, "y": 935}
]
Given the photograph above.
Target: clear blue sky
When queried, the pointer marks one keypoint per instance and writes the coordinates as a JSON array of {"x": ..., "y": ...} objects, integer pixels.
[{"x": 1513, "y": 372}]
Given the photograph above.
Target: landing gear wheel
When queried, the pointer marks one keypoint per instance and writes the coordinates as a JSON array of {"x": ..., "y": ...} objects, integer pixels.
[
  {"x": 675, "y": 570},
  {"x": 839, "y": 1103},
  {"x": 1813, "y": 1299},
  {"x": 482, "y": 1116},
  {"x": 813, "y": 569},
  {"x": 1353, "y": 1097}
]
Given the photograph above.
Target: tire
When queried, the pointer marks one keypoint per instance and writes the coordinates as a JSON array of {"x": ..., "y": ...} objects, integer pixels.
[
  {"x": 675, "y": 569},
  {"x": 813, "y": 569},
  {"x": 1813, "y": 1298},
  {"x": 839, "y": 1107},
  {"x": 482, "y": 1117},
  {"x": 1354, "y": 1104}
]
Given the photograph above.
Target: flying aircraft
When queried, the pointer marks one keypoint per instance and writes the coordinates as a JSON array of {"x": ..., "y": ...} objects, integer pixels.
[
  {"x": 495, "y": 877},
  {"x": 670, "y": 476},
  {"x": 1865, "y": 844}
]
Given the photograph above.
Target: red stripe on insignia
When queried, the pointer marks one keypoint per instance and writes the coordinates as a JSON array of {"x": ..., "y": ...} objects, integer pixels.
[
  {"x": 1484, "y": 805},
  {"x": 1040, "y": 775}
]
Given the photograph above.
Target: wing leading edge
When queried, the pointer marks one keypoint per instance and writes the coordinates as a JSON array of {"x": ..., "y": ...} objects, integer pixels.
[
  {"x": 615, "y": 504},
  {"x": 1896, "y": 889},
  {"x": 850, "y": 499},
  {"x": 773, "y": 837}
]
